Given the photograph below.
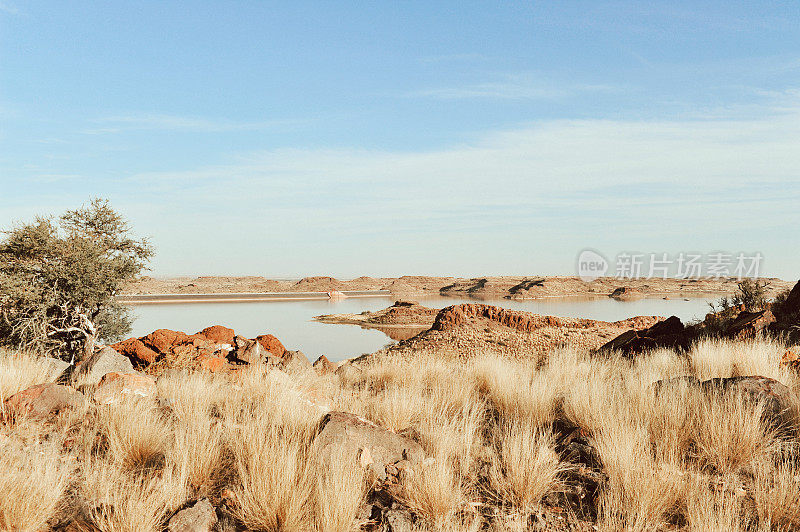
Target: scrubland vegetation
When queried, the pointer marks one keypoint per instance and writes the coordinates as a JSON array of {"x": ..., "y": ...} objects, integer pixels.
[{"x": 492, "y": 429}]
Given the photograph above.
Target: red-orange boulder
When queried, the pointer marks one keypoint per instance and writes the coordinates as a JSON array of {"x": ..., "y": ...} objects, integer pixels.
[
  {"x": 163, "y": 341},
  {"x": 134, "y": 349},
  {"x": 219, "y": 334},
  {"x": 271, "y": 344}
]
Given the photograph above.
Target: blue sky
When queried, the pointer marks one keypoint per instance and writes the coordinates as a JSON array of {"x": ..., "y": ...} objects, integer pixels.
[{"x": 465, "y": 138}]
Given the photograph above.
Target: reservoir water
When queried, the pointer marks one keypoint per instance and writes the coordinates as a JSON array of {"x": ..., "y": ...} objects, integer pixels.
[{"x": 291, "y": 321}]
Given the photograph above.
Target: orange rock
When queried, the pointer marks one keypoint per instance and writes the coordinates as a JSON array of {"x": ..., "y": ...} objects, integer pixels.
[
  {"x": 134, "y": 349},
  {"x": 115, "y": 387},
  {"x": 219, "y": 334},
  {"x": 271, "y": 344},
  {"x": 212, "y": 364},
  {"x": 41, "y": 401},
  {"x": 164, "y": 341}
]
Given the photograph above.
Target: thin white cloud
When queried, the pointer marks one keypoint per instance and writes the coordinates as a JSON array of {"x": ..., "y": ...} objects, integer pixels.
[
  {"x": 163, "y": 122},
  {"x": 8, "y": 8},
  {"x": 512, "y": 87}
]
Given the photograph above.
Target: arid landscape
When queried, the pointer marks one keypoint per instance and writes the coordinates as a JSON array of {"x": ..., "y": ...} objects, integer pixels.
[
  {"x": 399, "y": 266},
  {"x": 482, "y": 419}
]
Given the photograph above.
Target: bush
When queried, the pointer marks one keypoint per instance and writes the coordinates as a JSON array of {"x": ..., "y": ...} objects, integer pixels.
[{"x": 58, "y": 279}]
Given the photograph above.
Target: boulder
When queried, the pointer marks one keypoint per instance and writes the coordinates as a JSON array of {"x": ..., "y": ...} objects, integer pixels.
[
  {"x": 780, "y": 403},
  {"x": 791, "y": 358},
  {"x": 357, "y": 436},
  {"x": 247, "y": 351},
  {"x": 749, "y": 324},
  {"x": 163, "y": 341},
  {"x": 56, "y": 368},
  {"x": 198, "y": 518},
  {"x": 136, "y": 351},
  {"x": 271, "y": 344},
  {"x": 219, "y": 334},
  {"x": 294, "y": 361},
  {"x": 669, "y": 333},
  {"x": 323, "y": 366},
  {"x": 116, "y": 387},
  {"x": 212, "y": 363},
  {"x": 90, "y": 370},
  {"x": 42, "y": 401}
]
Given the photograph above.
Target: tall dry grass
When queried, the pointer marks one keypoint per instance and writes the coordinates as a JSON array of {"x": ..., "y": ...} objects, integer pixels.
[{"x": 674, "y": 457}]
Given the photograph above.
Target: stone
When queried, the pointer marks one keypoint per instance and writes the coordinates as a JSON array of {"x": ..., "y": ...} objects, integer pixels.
[
  {"x": 116, "y": 387},
  {"x": 625, "y": 293},
  {"x": 780, "y": 403},
  {"x": 163, "y": 341},
  {"x": 749, "y": 324},
  {"x": 136, "y": 351},
  {"x": 669, "y": 333},
  {"x": 219, "y": 334},
  {"x": 791, "y": 358},
  {"x": 90, "y": 370},
  {"x": 56, "y": 368},
  {"x": 247, "y": 351},
  {"x": 323, "y": 366},
  {"x": 271, "y": 344},
  {"x": 198, "y": 518},
  {"x": 212, "y": 364},
  {"x": 357, "y": 436},
  {"x": 294, "y": 361},
  {"x": 398, "y": 520},
  {"x": 42, "y": 401}
]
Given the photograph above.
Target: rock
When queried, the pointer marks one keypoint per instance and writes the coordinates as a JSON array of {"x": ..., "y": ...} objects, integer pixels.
[
  {"x": 749, "y": 324},
  {"x": 294, "y": 361},
  {"x": 791, "y": 305},
  {"x": 42, "y": 401},
  {"x": 247, "y": 351},
  {"x": 324, "y": 366},
  {"x": 791, "y": 358},
  {"x": 356, "y": 434},
  {"x": 219, "y": 334},
  {"x": 398, "y": 520},
  {"x": 198, "y": 518},
  {"x": 212, "y": 364},
  {"x": 669, "y": 333},
  {"x": 271, "y": 344},
  {"x": 625, "y": 293},
  {"x": 163, "y": 341},
  {"x": 676, "y": 384},
  {"x": 780, "y": 403},
  {"x": 90, "y": 370},
  {"x": 136, "y": 351},
  {"x": 56, "y": 368},
  {"x": 116, "y": 387}
]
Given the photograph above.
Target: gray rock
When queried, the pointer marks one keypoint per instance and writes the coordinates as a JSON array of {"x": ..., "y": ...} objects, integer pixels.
[
  {"x": 56, "y": 368},
  {"x": 199, "y": 518},
  {"x": 355, "y": 434},
  {"x": 248, "y": 351},
  {"x": 294, "y": 361},
  {"x": 398, "y": 520},
  {"x": 90, "y": 370}
]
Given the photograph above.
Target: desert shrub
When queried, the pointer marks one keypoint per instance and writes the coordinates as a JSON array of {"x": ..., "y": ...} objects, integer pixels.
[{"x": 58, "y": 279}]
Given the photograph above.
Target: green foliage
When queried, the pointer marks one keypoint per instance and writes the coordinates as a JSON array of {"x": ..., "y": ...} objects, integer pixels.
[{"x": 58, "y": 279}]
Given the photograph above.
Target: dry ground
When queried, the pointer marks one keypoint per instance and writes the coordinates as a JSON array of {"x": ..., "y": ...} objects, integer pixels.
[{"x": 673, "y": 461}]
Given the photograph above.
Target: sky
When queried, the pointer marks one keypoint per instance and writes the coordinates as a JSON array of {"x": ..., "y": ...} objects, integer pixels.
[{"x": 288, "y": 139}]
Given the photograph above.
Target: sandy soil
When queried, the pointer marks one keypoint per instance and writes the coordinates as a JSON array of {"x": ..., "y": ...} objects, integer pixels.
[{"x": 512, "y": 287}]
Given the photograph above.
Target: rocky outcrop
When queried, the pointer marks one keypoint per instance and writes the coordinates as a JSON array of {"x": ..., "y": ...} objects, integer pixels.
[
  {"x": 42, "y": 401},
  {"x": 625, "y": 293},
  {"x": 215, "y": 349},
  {"x": 323, "y": 366},
  {"x": 669, "y": 333},
  {"x": 748, "y": 325}
]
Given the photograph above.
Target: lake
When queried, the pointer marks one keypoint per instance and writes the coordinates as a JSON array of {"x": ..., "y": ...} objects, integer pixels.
[{"x": 291, "y": 321}]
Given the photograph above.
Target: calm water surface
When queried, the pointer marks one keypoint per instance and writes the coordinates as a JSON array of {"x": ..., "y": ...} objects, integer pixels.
[{"x": 291, "y": 321}]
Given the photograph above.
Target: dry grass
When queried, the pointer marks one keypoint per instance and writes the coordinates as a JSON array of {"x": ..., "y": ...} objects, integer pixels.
[
  {"x": 674, "y": 457},
  {"x": 32, "y": 482}
]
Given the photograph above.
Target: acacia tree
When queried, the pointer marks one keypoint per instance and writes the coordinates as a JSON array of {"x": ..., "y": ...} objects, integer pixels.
[{"x": 59, "y": 278}]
